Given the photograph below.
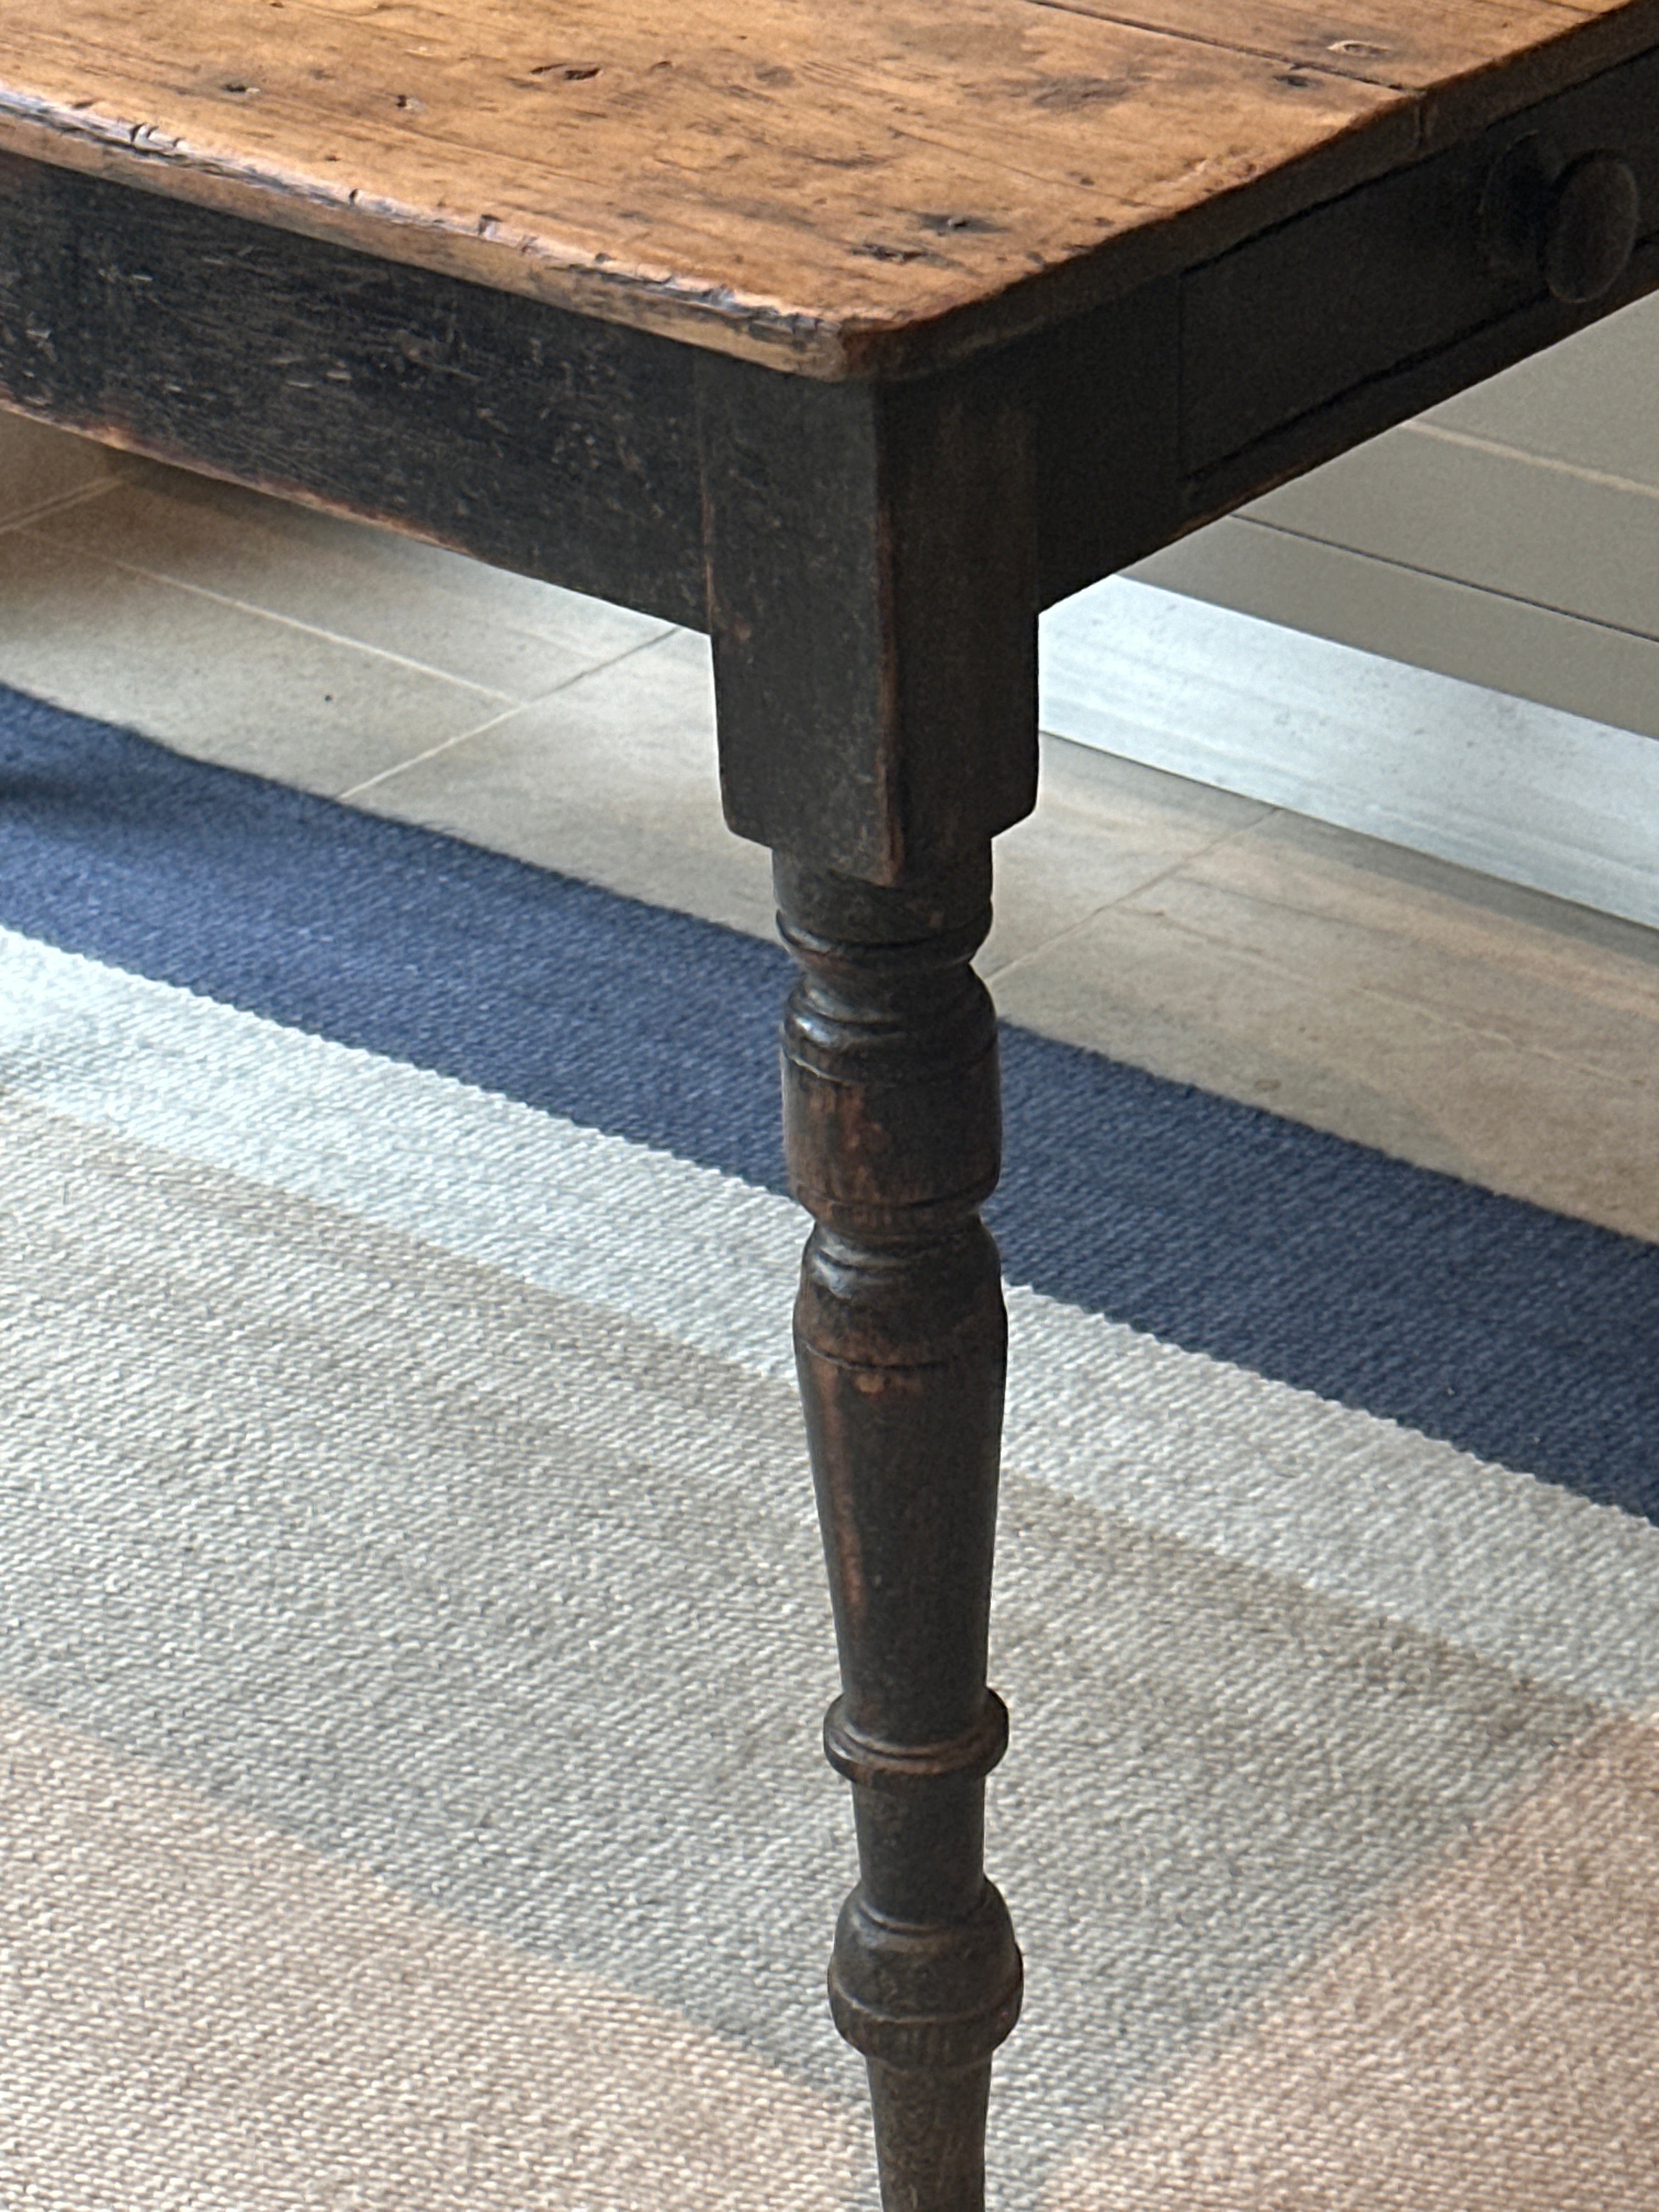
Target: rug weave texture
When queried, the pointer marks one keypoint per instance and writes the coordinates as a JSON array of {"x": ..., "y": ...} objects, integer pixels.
[{"x": 413, "y": 1628}]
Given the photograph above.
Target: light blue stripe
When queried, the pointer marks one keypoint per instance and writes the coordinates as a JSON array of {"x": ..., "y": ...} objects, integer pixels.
[{"x": 1521, "y": 1573}]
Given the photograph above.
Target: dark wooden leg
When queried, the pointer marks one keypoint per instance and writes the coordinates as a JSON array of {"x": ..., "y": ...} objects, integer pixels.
[
  {"x": 872, "y": 600},
  {"x": 891, "y": 1129}
]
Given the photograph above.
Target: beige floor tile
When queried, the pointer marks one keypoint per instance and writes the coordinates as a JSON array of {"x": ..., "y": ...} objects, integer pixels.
[
  {"x": 41, "y": 466},
  {"x": 1588, "y": 401},
  {"x": 614, "y": 780},
  {"x": 1315, "y": 904},
  {"x": 1541, "y": 534},
  {"x": 1310, "y": 1041},
  {"x": 1104, "y": 828},
  {"x": 435, "y": 609},
  {"x": 224, "y": 685},
  {"x": 1404, "y": 613},
  {"x": 1141, "y": 991}
]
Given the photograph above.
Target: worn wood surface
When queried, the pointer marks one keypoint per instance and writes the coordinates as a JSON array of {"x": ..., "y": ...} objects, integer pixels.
[
  {"x": 568, "y": 447},
  {"x": 536, "y": 438},
  {"x": 837, "y": 186},
  {"x": 1472, "y": 59},
  {"x": 478, "y": 272},
  {"x": 873, "y": 562},
  {"x": 1390, "y": 274}
]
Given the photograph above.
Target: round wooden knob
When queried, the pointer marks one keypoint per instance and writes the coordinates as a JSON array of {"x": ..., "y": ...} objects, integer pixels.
[
  {"x": 1573, "y": 223},
  {"x": 1594, "y": 214}
]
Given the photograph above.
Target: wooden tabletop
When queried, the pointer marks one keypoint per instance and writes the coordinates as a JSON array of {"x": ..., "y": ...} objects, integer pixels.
[{"x": 830, "y": 185}]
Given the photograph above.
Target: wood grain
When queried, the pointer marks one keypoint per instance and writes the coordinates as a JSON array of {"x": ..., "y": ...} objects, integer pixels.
[
  {"x": 544, "y": 441},
  {"x": 872, "y": 556},
  {"x": 1468, "y": 54},
  {"x": 856, "y": 186},
  {"x": 1402, "y": 274}
]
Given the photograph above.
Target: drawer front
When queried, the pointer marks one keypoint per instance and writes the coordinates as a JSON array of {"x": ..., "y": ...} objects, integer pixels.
[{"x": 1390, "y": 274}]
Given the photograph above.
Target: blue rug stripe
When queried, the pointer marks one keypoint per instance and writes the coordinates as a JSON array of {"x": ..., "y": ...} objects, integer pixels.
[
  {"x": 1514, "y": 1333},
  {"x": 1518, "y": 1335}
]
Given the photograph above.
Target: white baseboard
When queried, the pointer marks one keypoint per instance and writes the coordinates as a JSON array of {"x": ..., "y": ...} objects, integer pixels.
[{"x": 1519, "y": 791}]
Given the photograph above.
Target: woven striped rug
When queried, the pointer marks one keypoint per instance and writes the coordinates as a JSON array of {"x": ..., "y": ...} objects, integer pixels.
[{"x": 413, "y": 1633}]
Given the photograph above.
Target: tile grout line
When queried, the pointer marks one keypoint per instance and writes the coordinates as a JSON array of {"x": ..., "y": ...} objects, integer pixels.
[
  {"x": 1106, "y": 906},
  {"x": 1603, "y": 479},
  {"x": 1447, "y": 1018},
  {"x": 494, "y": 721},
  {"x": 476, "y": 730},
  {"x": 1437, "y": 900},
  {"x": 1437, "y": 576},
  {"x": 57, "y": 505},
  {"x": 286, "y": 622}
]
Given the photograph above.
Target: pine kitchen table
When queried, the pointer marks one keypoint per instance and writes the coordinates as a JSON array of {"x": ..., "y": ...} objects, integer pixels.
[{"x": 854, "y": 332}]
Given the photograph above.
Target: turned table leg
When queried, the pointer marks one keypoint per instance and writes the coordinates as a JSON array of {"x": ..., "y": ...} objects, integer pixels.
[
  {"x": 872, "y": 602},
  {"x": 891, "y": 1131}
]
